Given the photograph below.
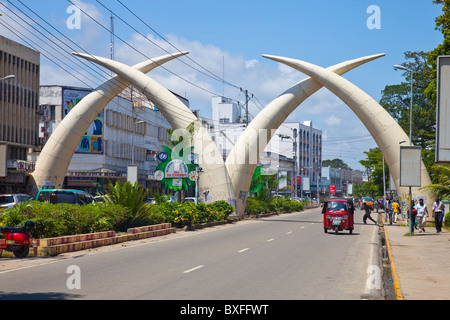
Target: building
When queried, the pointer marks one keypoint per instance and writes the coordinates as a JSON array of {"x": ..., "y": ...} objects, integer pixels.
[
  {"x": 19, "y": 113},
  {"x": 300, "y": 142},
  {"x": 129, "y": 131}
]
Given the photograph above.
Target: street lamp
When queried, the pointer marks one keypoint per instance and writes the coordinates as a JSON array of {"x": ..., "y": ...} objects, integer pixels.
[
  {"x": 410, "y": 137},
  {"x": 411, "y": 104},
  {"x": 11, "y": 76}
]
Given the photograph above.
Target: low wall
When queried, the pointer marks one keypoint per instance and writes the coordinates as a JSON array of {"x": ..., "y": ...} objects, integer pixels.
[{"x": 58, "y": 245}]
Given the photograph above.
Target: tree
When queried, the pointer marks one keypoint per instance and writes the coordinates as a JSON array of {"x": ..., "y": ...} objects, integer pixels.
[
  {"x": 335, "y": 163},
  {"x": 374, "y": 163},
  {"x": 396, "y": 99},
  {"x": 442, "y": 187}
]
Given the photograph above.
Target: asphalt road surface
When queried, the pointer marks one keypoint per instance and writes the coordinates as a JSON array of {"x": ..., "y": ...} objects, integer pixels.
[{"x": 286, "y": 257}]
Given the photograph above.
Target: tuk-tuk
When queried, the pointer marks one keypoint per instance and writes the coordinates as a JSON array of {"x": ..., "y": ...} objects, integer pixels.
[{"x": 338, "y": 215}]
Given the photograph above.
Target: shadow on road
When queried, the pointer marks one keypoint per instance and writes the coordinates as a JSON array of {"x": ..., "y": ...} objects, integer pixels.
[{"x": 38, "y": 296}]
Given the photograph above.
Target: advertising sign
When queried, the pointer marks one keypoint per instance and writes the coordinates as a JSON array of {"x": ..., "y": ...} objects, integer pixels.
[
  {"x": 92, "y": 141},
  {"x": 443, "y": 109},
  {"x": 410, "y": 166},
  {"x": 176, "y": 169},
  {"x": 332, "y": 188}
]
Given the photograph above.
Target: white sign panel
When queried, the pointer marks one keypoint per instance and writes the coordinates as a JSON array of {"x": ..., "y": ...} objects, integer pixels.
[
  {"x": 443, "y": 109},
  {"x": 3, "y": 160},
  {"x": 410, "y": 166},
  {"x": 132, "y": 173}
]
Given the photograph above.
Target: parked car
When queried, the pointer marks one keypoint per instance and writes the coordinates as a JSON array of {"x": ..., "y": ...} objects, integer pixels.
[
  {"x": 8, "y": 201},
  {"x": 65, "y": 196}
]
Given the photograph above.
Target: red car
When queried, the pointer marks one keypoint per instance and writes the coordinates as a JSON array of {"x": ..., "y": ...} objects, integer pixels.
[{"x": 338, "y": 215}]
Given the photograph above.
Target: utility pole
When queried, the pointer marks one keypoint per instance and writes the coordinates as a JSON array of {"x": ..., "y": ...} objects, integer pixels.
[{"x": 246, "y": 105}]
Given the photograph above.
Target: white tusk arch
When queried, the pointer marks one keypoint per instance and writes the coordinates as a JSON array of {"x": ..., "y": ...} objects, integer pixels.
[
  {"x": 57, "y": 153},
  {"x": 214, "y": 177},
  {"x": 268, "y": 121},
  {"x": 384, "y": 129}
]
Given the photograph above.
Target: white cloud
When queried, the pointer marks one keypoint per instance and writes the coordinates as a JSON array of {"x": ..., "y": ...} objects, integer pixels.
[{"x": 332, "y": 120}]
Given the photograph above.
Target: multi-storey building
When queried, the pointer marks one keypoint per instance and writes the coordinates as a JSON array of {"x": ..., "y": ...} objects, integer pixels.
[
  {"x": 300, "y": 142},
  {"x": 19, "y": 112},
  {"x": 128, "y": 131}
]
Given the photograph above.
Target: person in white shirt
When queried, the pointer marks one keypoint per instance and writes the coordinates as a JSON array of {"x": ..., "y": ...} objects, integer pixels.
[
  {"x": 421, "y": 212},
  {"x": 438, "y": 209}
]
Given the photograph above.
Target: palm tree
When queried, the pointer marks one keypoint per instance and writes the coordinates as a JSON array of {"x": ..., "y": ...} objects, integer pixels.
[{"x": 442, "y": 187}]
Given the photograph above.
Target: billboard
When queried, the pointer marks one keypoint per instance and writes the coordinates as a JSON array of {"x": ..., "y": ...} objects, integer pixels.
[
  {"x": 410, "y": 166},
  {"x": 92, "y": 141},
  {"x": 443, "y": 109}
]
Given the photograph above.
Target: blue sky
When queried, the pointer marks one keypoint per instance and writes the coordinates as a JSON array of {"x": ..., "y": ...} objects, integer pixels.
[{"x": 228, "y": 38}]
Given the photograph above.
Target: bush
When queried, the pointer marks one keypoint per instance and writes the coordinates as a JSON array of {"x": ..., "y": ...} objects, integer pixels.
[{"x": 275, "y": 204}]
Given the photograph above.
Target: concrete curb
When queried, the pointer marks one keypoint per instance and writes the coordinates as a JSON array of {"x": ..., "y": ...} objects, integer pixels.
[
  {"x": 58, "y": 245},
  {"x": 395, "y": 280}
]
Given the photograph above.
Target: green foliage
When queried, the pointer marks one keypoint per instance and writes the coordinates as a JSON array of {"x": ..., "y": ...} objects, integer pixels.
[
  {"x": 335, "y": 163},
  {"x": 127, "y": 195},
  {"x": 276, "y": 204},
  {"x": 55, "y": 220},
  {"x": 442, "y": 187},
  {"x": 374, "y": 162}
]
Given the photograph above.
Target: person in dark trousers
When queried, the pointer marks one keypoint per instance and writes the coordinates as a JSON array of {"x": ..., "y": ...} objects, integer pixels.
[
  {"x": 367, "y": 214},
  {"x": 438, "y": 209}
]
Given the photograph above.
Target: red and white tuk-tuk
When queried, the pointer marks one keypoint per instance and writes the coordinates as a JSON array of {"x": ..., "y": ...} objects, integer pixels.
[{"x": 338, "y": 215}]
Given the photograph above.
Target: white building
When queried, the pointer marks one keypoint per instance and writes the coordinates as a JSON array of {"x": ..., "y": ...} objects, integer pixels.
[{"x": 298, "y": 141}]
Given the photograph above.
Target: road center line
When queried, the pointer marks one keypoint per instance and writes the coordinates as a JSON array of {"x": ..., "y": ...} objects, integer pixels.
[{"x": 193, "y": 269}]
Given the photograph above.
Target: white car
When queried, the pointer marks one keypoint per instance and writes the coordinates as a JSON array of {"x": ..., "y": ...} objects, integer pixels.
[{"x": 8, "y": 201}]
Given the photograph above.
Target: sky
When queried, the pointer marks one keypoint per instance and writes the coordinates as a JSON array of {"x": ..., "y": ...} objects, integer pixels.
[{"x": 226, "y": 41}]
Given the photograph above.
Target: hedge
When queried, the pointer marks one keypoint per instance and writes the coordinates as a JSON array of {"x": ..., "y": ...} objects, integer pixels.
[{"x": 55, "y": 220}]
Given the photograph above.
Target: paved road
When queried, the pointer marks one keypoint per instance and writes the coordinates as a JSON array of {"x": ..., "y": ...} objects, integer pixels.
[{"x": 281, "y": 257}]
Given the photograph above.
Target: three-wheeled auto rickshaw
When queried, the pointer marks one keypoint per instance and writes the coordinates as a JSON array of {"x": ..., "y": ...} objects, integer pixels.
[{"x": 338, "y": 215}]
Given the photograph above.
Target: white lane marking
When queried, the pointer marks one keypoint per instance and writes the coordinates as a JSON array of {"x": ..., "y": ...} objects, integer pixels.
[
  {"x": 270, "y": 240},
  {"x": 289, "y": 232},
  {"x": 193, "y": 269},
  {"x": 243, "y": 250}
]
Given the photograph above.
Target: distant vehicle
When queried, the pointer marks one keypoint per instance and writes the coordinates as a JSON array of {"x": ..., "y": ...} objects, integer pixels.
[
  {"x": 367, "y": 201},
  {"x": 99, "y": 198},
  {"x": 8, "y": 201},
  {"x": 65, "y": 196},
  {"x": 150, "y": 201}
]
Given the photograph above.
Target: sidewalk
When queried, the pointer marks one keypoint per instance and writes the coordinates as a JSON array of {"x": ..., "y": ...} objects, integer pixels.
[{"x": 421, "y": 262}]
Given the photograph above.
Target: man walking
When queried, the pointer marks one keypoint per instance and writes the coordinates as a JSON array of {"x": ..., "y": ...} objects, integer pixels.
[
  {"x": 395, "y": 209},
  {"x": 438, "y": 209},
  {"x": 367, "y": 214},
  {"x": 421, "y": 212}
]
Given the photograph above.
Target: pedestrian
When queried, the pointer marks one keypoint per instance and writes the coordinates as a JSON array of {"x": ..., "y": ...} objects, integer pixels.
[
  {"x": 422, "y": 213},
  {"x": 438, "y": 209},
  {"x": 395, "y": 207},
  {"x": 367, "y": 214},
  {"x": 413, "y": 215},
  {"x": 390, "y": 211}
]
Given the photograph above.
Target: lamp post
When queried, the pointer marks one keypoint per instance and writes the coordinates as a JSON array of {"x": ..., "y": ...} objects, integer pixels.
[
  {"x": 411, "y": 102},
  {"x": 11, "y": 76},
  {"x": 399, "y": 67}
]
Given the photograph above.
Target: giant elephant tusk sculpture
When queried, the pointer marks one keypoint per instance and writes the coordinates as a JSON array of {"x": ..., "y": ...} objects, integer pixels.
[
  {"x": 214, "y": 177},
  {"x": 57, "y": 153},
  {"x": 259, "y": 132},
  {"x": 384, "y": 129}
]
